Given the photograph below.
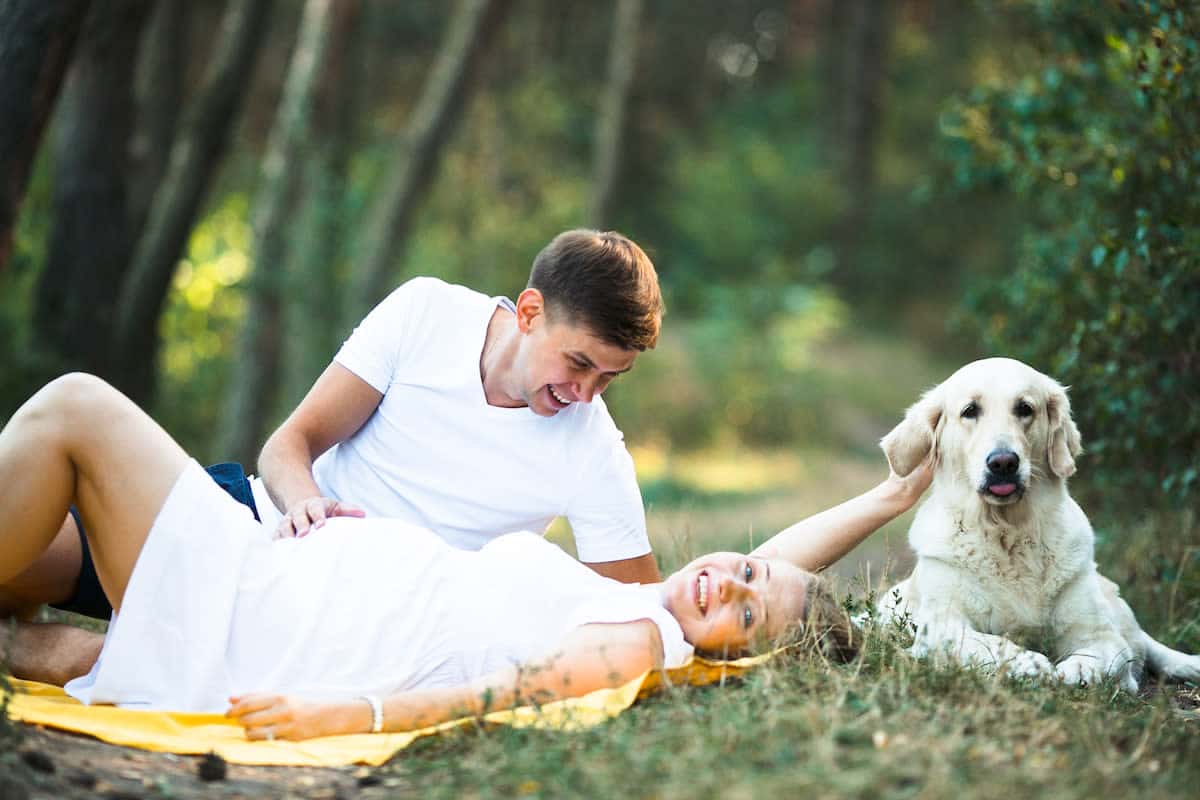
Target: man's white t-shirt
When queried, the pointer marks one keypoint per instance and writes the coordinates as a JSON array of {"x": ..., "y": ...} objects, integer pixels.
[{"x": 435, "y": 453}]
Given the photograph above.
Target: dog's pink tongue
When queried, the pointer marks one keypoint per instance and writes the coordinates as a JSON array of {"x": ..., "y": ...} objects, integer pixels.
[{"x": 1002, "y": 489}]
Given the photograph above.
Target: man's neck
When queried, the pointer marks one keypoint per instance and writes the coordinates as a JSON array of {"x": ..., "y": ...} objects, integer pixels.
[{"x": 497, "y": 358}]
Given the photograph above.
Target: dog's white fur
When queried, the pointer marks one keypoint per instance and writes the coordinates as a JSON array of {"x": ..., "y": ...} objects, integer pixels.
[{"x": 1002, "y": 582}]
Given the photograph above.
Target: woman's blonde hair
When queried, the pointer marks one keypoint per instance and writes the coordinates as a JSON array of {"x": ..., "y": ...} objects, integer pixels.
[{"x": 826, "y": 627}]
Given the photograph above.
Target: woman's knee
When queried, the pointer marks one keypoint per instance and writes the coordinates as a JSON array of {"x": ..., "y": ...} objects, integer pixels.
[
  {"x": 75, "y": 397},
  {"x": 81, "y": 386},
  {"x": 64, "y": 408}
]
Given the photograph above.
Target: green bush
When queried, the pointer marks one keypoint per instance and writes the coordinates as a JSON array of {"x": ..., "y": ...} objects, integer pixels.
[{"x": 1098, "y": 134}]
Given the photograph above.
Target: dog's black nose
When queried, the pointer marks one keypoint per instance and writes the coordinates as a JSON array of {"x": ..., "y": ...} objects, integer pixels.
[{"x": 1003, "y": 463}]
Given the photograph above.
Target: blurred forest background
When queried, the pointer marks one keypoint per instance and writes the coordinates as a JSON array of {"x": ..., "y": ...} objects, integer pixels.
[{"x": 845, "y": 200}]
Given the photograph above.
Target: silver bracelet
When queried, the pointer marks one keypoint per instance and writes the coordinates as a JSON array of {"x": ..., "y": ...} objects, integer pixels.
[{"x": 376, "y": 712}]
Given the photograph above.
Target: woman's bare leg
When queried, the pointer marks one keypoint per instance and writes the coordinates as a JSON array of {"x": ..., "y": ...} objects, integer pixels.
[
  {"x": 51, "y": 578},
  {"x": 48, "y": 652},
  {"x": 80, "y": 440}
]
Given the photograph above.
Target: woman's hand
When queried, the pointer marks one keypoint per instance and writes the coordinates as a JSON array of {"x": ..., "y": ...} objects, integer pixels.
[
  {"x": 273, "y": 716},
  {"x": 908, "y": 489}
]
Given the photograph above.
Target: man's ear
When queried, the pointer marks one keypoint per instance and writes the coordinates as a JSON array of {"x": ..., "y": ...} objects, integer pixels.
[
  {"x": 530, "y": 305},
  {"x": 1063, "y": 444},
  {"x": 907, "y": 444}
]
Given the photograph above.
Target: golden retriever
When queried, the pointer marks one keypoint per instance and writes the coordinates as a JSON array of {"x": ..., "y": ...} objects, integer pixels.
[{"x": 1005, "y": 576}]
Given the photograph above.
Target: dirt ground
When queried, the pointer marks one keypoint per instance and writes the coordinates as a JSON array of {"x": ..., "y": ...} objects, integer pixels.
[{"x": 52, "y": 765}]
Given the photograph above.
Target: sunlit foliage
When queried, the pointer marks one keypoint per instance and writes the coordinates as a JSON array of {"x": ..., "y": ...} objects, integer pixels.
[{"x": 199, "y": 325}]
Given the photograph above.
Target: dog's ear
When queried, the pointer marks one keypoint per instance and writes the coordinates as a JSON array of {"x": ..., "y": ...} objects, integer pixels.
[
  {"x": 907, "y": 444},
  {"x": 1062, "y": 443}
]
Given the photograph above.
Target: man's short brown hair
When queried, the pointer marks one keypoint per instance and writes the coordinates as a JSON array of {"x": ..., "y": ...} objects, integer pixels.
[{"x": 604, "y": 282}]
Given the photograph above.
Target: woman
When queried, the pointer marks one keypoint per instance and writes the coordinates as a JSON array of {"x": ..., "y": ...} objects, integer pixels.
[{"x": 211, "y": 613}]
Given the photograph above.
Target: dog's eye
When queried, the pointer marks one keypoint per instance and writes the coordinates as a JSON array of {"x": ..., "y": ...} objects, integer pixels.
[
  {"x": 1023, "y": 409},
  {"x": 971, "y": 411}
]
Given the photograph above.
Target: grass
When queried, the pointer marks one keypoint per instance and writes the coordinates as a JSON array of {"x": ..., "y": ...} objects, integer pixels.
[{"x": 883, "y": 726}]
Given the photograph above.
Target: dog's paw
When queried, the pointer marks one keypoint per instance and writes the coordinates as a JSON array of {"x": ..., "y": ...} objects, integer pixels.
[
  {"x": 1080, "y": 670},
  {"x": 1029, "y": 664}
]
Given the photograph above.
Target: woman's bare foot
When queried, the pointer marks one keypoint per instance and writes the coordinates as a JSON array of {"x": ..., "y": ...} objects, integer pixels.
[{"x": 48, "y": 652}]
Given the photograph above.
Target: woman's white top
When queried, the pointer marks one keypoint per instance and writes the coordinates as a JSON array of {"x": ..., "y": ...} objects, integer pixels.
[{"x": 215, "y": 607}]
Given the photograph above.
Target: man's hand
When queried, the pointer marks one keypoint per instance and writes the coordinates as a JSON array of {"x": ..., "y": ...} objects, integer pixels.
[
  {"x": 271, "y": 716},
  {"x": 311, "y": 514}
]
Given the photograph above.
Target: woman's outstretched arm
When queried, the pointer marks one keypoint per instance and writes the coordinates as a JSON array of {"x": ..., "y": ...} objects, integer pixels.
[
  {"x": 823, "y": 538},
  {"x": 591, "y": 657}
]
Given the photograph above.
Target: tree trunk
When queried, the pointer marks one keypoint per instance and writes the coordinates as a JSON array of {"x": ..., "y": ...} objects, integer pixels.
[
  {"x": 160, "y": 89},
  {"x": 610, "y": 128},
  {"x": 194, "y": 156},
  {"x": 89, "y": 240},
  {"x": 311, "y": 317},
  {"x": 433, "y": 120},
  {"x": 257, "y": 362},
  {"x": 835, "y": 56},
  {"x": 866, "y": 60},
  {"x": 37, "y": 38}
]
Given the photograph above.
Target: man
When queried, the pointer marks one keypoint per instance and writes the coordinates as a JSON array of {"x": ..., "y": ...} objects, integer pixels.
[{"x": 467, "y": 414}]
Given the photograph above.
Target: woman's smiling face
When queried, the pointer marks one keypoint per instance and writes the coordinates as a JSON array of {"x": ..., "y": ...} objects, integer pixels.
[{"x": 728, "y": 602}]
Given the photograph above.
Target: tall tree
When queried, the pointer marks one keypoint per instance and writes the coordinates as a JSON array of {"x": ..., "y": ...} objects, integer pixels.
[
  {"x": 37, "y": 39},
  {"x": 610, "y": 128},
  {"x": 869, "y": 28},
  {"x": 90, "y": 238},
  {"x": 312, "y": 320},
  {"x": 835, "y": 58},
  {"x": 431, "y": 125},
  {"x": 196, "y": 152},
  {"x": 160, "y": 90},
  {"x": 257, "y": 366}
]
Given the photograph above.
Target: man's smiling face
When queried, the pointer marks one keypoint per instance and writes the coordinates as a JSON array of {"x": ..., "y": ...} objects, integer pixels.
[{"x": 562, "y": 362}]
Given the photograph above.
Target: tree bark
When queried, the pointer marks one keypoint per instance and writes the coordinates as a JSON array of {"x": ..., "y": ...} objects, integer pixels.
[
  {"x": 90, "y": 241},
  {"x": 867, "y": 53},
  {"x": 835, "y": 72},
  {"x": 311, "y": 318},
  {"x": 159, "y": 88},
  {"x": 37, "y": 39},
  {"x": 194, "y": 156},
  {"x": 432, "y": 123},
  {"x": 610, "y": 128},
  {"x": 257, "y": 361}
]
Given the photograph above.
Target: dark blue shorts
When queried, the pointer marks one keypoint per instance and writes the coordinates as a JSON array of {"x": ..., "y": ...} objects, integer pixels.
[{"x": 89, "y": 598}]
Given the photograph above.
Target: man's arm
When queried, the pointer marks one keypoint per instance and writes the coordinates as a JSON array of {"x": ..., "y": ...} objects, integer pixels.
[
  {"x": 823, "y": 538},
  {"x": 338, "y": 404},
  {"x": 591, "y": 657},
  {"x": 641, "y": 569}
]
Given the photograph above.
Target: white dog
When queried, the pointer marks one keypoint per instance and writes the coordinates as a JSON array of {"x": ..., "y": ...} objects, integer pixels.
[{"x": 1005, "y": 574}]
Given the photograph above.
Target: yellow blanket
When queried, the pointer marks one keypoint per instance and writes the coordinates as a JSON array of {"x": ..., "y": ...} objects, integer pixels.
[{"x": 172, "y": 732}]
